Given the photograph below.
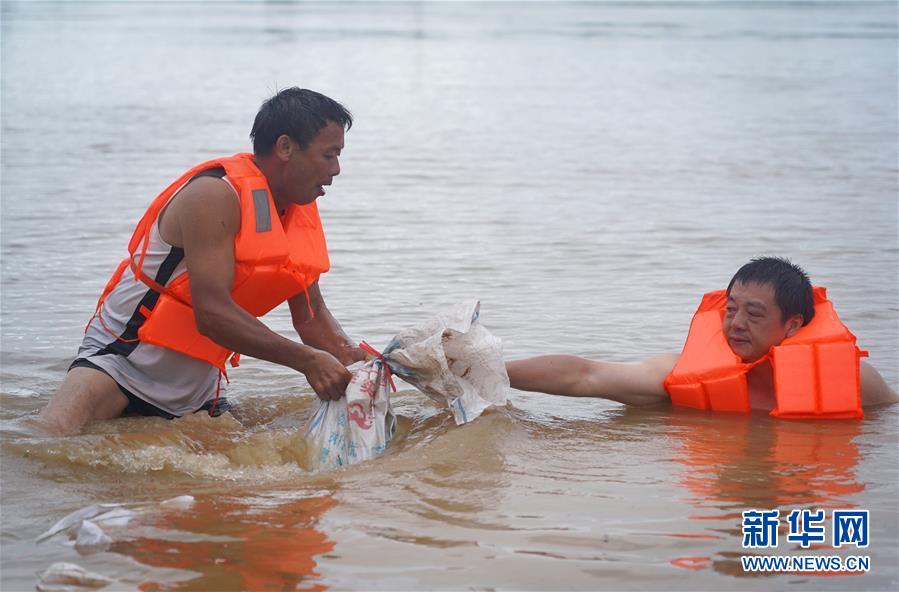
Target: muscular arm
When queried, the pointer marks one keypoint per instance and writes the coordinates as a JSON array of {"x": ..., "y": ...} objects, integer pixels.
[
  {"x": 321, "y": 331},
  {"x": 632, "y": 384},
  {"x": 204, "y": 218},
  {"x": 875, "y": 390}
]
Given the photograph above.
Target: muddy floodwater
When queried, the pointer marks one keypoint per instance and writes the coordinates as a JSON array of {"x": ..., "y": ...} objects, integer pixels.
[{"x": 586, "y": 170}]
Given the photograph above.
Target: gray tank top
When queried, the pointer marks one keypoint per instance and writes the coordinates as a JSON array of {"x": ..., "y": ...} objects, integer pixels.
[{"x": 172, "y": 381}]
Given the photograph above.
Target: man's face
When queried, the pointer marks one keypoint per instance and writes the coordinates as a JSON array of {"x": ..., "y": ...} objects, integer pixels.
[
  {"x": 307, "y": 172},
  {"x": 752, "y": 321}
]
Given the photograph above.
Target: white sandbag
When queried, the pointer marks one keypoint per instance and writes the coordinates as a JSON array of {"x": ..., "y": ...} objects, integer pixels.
[
  {"x": 354, "y": 428},
  {"x": 454, "y": 360}
]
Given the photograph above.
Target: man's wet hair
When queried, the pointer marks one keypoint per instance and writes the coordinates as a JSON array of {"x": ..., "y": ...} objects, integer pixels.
[
  {"x": 299, "y": 113},
  {"x": 792, "y": 288}
]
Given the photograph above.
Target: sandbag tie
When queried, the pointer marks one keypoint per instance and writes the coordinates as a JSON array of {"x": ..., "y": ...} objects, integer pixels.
[{"x": 370, "y": 350}]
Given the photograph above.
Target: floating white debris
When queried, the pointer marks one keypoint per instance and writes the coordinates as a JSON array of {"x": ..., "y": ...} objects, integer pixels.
[
  {"x": 73, "y": 520},
  {"x": 91, "y": 537},
  {"x": 182, "y": 501},
  {"x": 60, "y": 576},
  {"x": 115, "y": 517}
]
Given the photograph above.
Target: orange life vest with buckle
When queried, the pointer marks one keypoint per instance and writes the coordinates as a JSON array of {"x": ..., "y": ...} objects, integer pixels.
[
  {"x": 275, "y": 258},
  {"x": 816, "y": 370}
]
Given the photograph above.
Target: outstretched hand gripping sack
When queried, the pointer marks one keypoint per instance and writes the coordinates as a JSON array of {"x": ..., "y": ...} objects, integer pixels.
[
  {"x": 356, "y": 427},
  {"x": 451, "y": 358}
]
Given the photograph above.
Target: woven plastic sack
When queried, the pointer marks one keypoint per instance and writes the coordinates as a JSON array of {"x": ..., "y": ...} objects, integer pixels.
[{"x": 354, "y": 428}]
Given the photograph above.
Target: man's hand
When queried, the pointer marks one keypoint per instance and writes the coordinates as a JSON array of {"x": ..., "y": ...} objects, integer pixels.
[{"x": 327, "y": 376}]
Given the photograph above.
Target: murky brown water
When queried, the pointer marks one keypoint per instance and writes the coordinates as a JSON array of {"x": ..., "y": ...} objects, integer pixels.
[{"x": 585, "y": 170}]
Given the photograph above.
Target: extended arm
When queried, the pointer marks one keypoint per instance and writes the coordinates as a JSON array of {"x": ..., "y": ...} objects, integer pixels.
[
  {"x": 875, "y": 390},
  {"x": 204, "y": 219},
  {"x": 321, "y": 330},
  {"x": 631, "y": 384}
]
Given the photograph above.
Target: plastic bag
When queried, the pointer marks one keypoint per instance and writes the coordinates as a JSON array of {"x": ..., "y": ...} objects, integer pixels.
[
  {"x": 454, "y": 360},
  {"x": 356, "y": 427}
]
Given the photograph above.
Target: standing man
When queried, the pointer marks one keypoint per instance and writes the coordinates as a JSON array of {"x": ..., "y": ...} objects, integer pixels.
[{"x": 224, "y": 244}]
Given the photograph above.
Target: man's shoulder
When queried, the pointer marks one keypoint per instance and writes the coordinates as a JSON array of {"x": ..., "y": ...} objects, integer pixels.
[
  {"x": 209, "y": 191},
  {"x": 203, "y": 201}
]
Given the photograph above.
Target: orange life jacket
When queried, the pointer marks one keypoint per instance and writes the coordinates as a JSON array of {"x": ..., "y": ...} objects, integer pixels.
[
  {"x": 275, "y": 258},
  {"x": 816, "y": 370}
]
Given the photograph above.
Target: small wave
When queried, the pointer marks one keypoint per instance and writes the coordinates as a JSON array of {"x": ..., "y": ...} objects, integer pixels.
[{"x": 261, "y": 441}]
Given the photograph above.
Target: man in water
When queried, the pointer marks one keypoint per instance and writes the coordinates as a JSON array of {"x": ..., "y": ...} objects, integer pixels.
[
  {"x": 224, "y": 244},
  {"x": 769, "y": 302}
]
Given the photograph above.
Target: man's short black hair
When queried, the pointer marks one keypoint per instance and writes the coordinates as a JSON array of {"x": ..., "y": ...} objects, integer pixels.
[
  {"x": 792, "y": 288},
  {"x": 299, "y": 113}
]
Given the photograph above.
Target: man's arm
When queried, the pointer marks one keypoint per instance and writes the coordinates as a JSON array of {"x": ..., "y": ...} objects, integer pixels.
[
  {"x": 631, "y": 384},
  {"x": 321, "y": 330},
  {"x": 205, "y": 218},
  {"x": 875, "y": 390}
]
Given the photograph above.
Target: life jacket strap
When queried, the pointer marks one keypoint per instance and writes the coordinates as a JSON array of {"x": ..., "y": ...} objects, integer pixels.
[
  {"x": 308, "y": 303},
  {"x": 218, "y": 389}
]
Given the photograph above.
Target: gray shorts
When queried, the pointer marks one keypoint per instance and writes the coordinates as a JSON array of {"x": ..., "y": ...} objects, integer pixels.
[{"x": 137, "y": 406}]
